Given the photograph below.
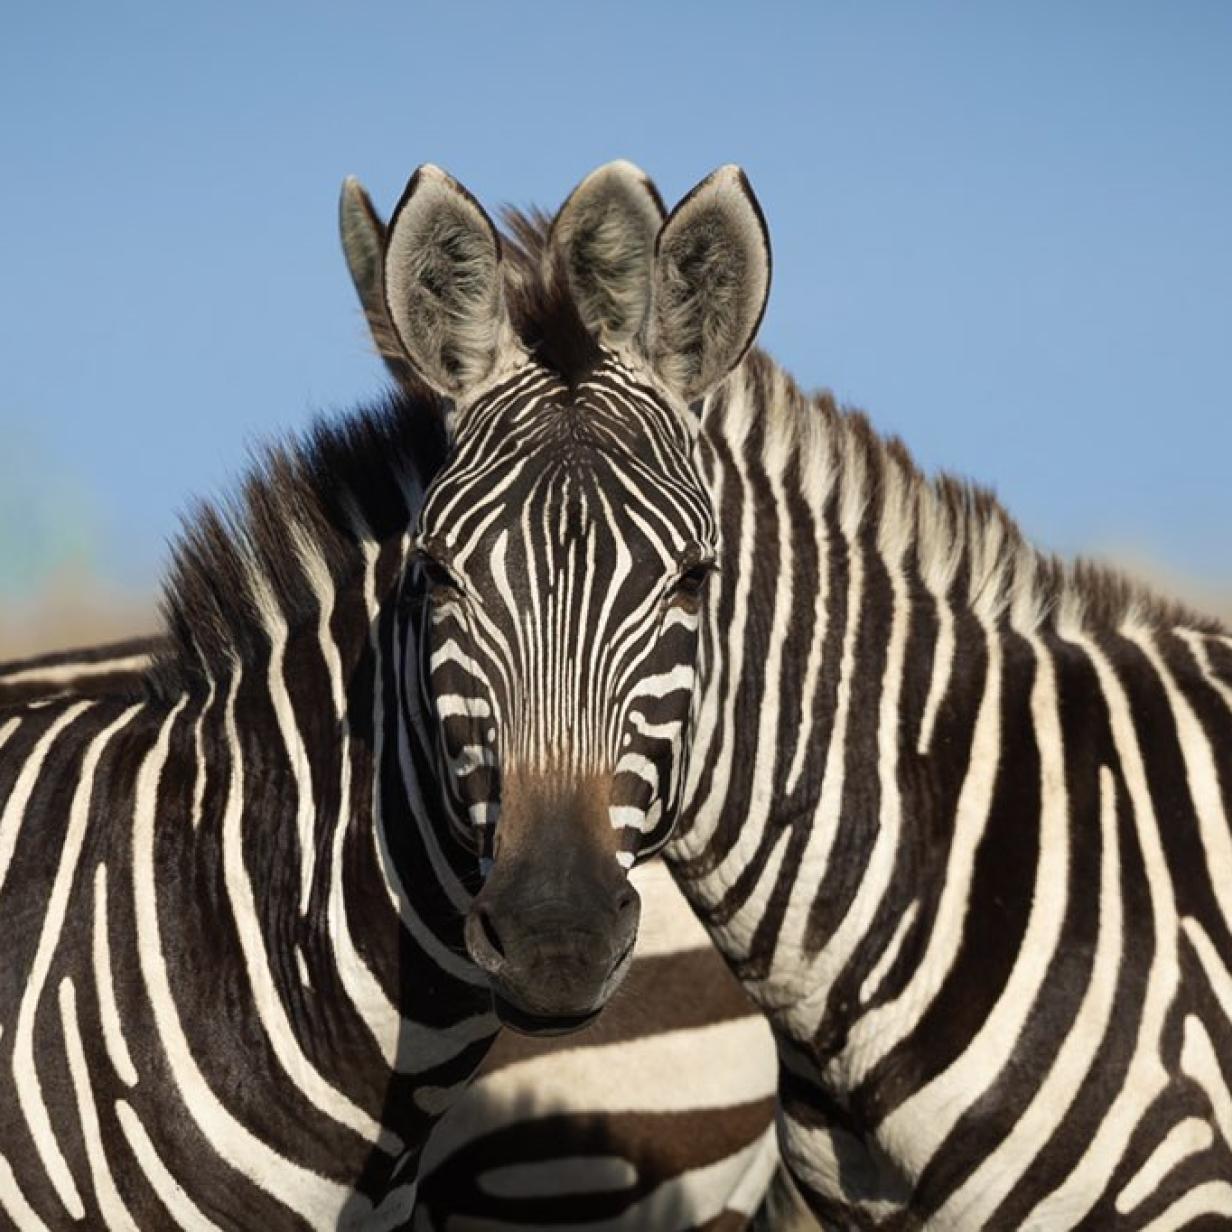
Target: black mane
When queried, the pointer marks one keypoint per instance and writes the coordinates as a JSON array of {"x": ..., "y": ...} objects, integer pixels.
[{"x": 344, "y": 481}]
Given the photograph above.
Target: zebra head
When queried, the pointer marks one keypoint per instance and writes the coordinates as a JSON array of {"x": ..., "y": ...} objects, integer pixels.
[{"x": 565, "y": 546}]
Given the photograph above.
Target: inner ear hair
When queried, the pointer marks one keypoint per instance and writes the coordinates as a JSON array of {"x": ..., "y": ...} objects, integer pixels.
[
  {"x": 605, "y": 236},
  {"x": 443, "y": 285},
  {"x": 710, "y": 285}
]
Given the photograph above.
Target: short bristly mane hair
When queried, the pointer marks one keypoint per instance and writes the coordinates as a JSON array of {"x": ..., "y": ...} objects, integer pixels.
[
  {"x": 955, "y": 532},
  {"x": 541, "y": 303},
  {"x": 303, "y": 505}
]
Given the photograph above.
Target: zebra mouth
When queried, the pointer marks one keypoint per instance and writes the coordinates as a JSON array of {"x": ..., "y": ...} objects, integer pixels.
[{"x": 526, "y": 1023}]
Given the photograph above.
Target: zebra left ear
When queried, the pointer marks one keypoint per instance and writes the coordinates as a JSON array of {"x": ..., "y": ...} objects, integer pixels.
[
  {"x": 444, "y": 287},
  {"x": 605, "y": 235},
  {"x": 711, "y": 281}
]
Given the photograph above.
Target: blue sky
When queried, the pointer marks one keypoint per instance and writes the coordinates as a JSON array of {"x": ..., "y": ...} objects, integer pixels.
[{"x": 1002, "y": 230}]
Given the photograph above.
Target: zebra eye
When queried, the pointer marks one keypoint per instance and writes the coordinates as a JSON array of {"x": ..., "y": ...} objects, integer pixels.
[
  {"x": 438, "y": 575},
  {"x": 690, "y": 581}
]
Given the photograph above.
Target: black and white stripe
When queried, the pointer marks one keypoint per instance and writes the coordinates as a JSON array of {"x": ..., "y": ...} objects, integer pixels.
[
  {"x": 658, "y": 1116},
  {"x": 959, "y": 817},
  {"x": 235, "y": 994},
  {"x": 596, "y": 678},
  {"x": 957, "y": 814},
  {"x": 565, "y": 544},
  {"x": 116, "y": 667},
  {"x": 300, "y": 1011}
]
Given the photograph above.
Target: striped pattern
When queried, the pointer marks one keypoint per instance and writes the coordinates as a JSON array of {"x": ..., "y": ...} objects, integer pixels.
[
  {"x": 224, "y": 905},
  {"x": 959, "y": 818},
  {"x": 555, "y": 534},
  {"x": 658, "y": 1116},
  {"x": 87, "y": 672}
]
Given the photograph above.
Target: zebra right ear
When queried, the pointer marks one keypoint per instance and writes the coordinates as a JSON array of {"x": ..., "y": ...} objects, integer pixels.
[
  {"x": 363, "y": 245},
  {"x": 605, "y": 234},
  {"x": 711, "y": 282},
  {"x": 444, "y": 288}
]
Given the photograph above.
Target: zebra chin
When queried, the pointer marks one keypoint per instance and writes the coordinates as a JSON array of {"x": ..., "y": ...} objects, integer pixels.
[{"x": 534, "y": 1024}]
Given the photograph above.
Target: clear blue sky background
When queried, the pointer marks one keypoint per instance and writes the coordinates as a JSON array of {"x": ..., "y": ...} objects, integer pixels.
[{"x": 1004, "y": 230}]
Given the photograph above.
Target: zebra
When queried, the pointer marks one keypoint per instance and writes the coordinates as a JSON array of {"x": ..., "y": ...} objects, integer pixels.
[
  {"x": 292, "y": 1088},
  {"x": 563, "y": 703},
  {"x": 235, "y": 992},
  {"x": 955, "y": 812},
  {"x": 85, "y": 671},
  {"x": 579, "y": 1131},
  {"x": 601, "y": 1123}
]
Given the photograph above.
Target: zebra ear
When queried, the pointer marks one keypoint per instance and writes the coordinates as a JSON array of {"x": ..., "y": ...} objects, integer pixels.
[
  {"x": 711, "y": 280},
  {"x": 444, "y": 289},
  {"x": 363, "y": 244},
  {"x": 605, "y": 234}
]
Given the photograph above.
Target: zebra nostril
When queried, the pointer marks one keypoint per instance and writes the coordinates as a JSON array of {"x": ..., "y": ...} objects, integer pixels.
[
  {"x": 626, "y": 899},
  {"x": 490, "y": 935},
  {"x": 483, "y": 942}
]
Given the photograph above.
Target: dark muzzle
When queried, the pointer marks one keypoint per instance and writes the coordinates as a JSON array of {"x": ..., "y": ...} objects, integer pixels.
[{"x": 554, "y": 947}]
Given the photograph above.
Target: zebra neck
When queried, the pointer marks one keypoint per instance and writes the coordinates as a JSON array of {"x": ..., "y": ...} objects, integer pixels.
[
  {"x": 880, "y": 671},
  {"x": 842, "y": 673},
  {"x": 312, "y": 819}
]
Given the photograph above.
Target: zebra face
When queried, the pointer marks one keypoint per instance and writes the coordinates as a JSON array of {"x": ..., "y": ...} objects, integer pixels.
[
  {"x": 565, "y": 547},
  {"x": 565, "y": 570}
]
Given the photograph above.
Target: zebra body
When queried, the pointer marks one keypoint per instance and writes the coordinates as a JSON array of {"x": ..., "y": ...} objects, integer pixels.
[
  {"x": 961, "y": 827},
  {"x": 116, "y": 667},
  {"x": 958, "y": 816},
  {"x": 658, "y": 1115},
  {"x": 955, "y": 813},
  {"x": 263, "y": 827},
  {"x": 234, "y": 993}
]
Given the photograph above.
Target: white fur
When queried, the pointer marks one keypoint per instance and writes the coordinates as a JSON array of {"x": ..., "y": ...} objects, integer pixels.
[
  {"x": 363, "y": 243},
  {"x": 605, "y": 233}
]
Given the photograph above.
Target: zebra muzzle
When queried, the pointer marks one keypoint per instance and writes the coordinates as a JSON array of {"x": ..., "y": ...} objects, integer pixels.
[{"x": 552, "y": 964}]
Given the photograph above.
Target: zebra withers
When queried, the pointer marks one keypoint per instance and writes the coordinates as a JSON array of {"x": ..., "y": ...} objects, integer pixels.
[{"x": 956, "y": 813}]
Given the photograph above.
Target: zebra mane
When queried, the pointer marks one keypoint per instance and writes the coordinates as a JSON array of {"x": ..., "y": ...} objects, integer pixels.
[
  {"x": 309, "y": 504},
  {"x": 955, "y": 533},
  {"x": 319, "y": 499}
]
